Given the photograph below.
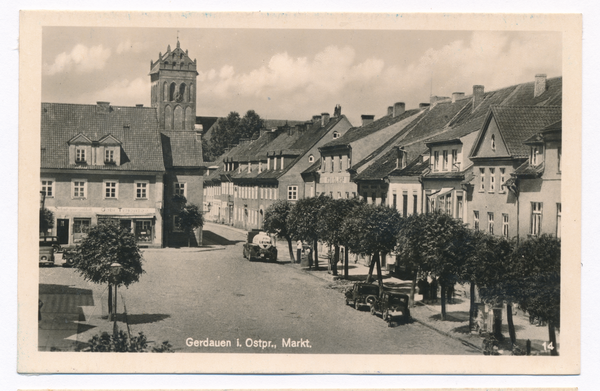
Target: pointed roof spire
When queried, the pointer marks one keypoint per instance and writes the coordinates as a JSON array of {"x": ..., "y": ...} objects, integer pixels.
[{"x": 178, "y": 39}]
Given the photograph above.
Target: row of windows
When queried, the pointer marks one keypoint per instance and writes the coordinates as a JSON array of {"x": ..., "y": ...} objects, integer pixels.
[
  {"x": 445, "y": 166},
  {"x": 81, "y": 154},
  {"x": 335, "y": 162},
  {"x": 535, "y": 220},
  {"x": 492, "y": 180},
  {"x": 79, "y": 189},
  {"x": 252, "y": 192}
]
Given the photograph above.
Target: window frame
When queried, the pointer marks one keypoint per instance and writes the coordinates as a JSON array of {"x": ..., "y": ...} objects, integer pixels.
[
  {"x": 176, "y": 190},
  {"x": 73, "y": 186},
  {"x": 45, "y": 187},
  {"x": 80, "y": 220},
  {"x": 445, "y": 160},
  {"x": 80, "y": 154},
  {"x": 492, "y": 180},
  {"x": 505, "y": 226},
  {"x": 105, "y": 188},
  {"x": 292, "y": 192},
  {"x": 454, "y": 159},
  {"x": 436, "y": 160},
  {"x": 502, "y": 179},
  {"x": 493, "y": 142},
  {"x": 146, "y": 189},
  {"x": 476, "y": 220},
  {"x": 536, "y": 218},
  {"x": 490, "y": 223},
  {"x": 481, "y": 179}
]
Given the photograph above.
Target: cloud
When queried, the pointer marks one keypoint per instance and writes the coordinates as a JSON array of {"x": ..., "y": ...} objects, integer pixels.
[
  {"x": 128, "y": 46},
  {"x": 81, "y": 59},
  {"x": 123, "y": 92}
]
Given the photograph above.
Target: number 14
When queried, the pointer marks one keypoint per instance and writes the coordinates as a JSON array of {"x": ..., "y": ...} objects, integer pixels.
[{"x": 548, "y": 347}]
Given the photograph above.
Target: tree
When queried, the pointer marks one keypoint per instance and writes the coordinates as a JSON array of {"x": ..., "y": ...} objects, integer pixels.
[
  {"x": 438, "y": 242},
  {"x": 46, "y": 220},
  {"x": 249, "y": 125},
  {"x": 275, "y": 222},
  {"x": 411, "y": 247},
  {"x": 190, "y": 219},
  {"x": 536, "y": 263},
  {"x": 105, "y": 244},
  {"x": 302, "y": 222},
  {"x": 229, "y": 130},
  {"x": 330, "y": 219},
  {"x": 371, "y": 230}
]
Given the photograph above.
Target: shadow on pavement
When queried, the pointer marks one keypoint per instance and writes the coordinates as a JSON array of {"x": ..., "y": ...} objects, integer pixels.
[
  {"x": 211, "y": 238},
  {"x": 141, "y": 318},
  {"x": 55, "y": 289}
]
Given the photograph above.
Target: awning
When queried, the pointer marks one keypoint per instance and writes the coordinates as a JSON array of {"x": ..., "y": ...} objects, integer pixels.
[
  {"x": 127, "y": 217},
  {"x": 441, "y": 192}
]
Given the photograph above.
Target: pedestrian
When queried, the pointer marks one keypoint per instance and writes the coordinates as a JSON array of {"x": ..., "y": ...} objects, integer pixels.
[
  {"x": 309, "y": 258},
  {"x": 299, "y": 251}
]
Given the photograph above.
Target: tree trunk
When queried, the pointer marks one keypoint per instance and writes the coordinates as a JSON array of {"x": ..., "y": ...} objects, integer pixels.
[
  {"x": 497, "y": 324},
  {"x": 511, "y": 325},
  {"x": 110, "y": 301},
  {"x": 336, "y": 259},
  {"x": 188, "y": 238},
  {"x": 413, "y": 285},
  {"x": 443, "y": 299},
  {"x": 371, "y": 265},
  {"x": 552, "y": 338},
  {"x": 290, "y": 247},
  {"x": 316, "y": 255},
  {"x": 379, "y": 277},
  {"x": 346, "y": 259},
  {"x": 472, "y": 309}
]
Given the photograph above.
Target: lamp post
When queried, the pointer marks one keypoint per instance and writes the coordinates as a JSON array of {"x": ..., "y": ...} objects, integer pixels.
[{"x": 115, "y": 269}]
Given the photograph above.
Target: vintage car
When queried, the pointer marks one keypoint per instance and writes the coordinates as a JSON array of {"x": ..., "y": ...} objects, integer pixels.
[
  {"x": 259, "y": 245},
  {"x": 48, "y": 246},
  {"x": 362, "y": 294},
  {"x": 68, "y": 255},
  {"x": 391, "y": 304}
]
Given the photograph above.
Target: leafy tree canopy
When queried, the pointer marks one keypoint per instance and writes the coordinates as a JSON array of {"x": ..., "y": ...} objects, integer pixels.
[
  {"x": 276, "y": 217},
  {"x": 303, "y": 218},
  {"x": 228, "y": 131},
  {"x": 332, "y": 215},
  {"x": 371, "y": 228},
  {"x": 107, "y": 243},
  {"x": 190, "y": 218},
  {"x": 46, "y": 220}
]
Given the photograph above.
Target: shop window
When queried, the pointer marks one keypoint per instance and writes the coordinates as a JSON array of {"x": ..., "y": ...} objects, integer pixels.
[
  {"x": 79, "y": 188},
  {"x": 141, "y": 190},
  {"x": 81, "y": 226},
  {"x": 48, "y": 187}
]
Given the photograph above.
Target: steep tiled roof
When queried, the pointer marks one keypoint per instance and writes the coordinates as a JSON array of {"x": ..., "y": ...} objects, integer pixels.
[
  {"x": 360, "y": 132},
  {"x": 140, "y": 141},
  {"x": 182, "y": 149},
  {"x": 518, "y": 123}
]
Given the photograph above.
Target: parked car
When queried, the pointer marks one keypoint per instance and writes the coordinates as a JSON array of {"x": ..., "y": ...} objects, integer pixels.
[
  {"x": 68, "y": 255},
  {"x": 391, "y": 304},
  {"x": 362, "y": 294},
  {"x": 48, "y": 245},
  {"x": 259, "y": 245}
]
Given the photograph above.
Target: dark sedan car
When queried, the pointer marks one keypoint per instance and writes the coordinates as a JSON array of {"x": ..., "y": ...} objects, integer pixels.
[
  {"x": 362, "y": 294},
  {"x": 391, "y": 304}
]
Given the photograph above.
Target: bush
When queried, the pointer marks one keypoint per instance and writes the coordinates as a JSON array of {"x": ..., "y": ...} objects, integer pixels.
[{"x": 123, "y": 344}]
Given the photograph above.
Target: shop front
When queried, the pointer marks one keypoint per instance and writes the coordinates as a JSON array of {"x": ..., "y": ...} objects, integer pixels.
[{"x": 73, "y": 223}]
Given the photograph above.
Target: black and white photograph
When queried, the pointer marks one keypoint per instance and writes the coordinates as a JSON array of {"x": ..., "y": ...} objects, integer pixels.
[{"x": 301, "y": 193}]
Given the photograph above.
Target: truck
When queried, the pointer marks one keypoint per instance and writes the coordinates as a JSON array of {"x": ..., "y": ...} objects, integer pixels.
[{"x": 259, "y": 245}]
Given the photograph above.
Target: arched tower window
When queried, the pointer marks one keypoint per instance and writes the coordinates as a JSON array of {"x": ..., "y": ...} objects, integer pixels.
[
  {"x": 165, "y": 91},
  {"x": 192, "y": 92},
  {"x": 168, "y": 118},
  {"x": 172, "y": 92},
  {"x": 178, "y": 118},
  {"x": 182, "y": 92}
]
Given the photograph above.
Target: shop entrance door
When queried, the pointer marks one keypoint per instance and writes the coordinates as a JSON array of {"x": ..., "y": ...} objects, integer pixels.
[
  {"x": 143, "y": 231},
  {"x": 62, "y": 231}
]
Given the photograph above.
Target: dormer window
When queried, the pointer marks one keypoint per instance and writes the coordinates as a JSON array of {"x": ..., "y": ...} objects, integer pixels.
[
  {"x": 493, "y": 142},
  {"x": 336, "y": 135},
  {"x": 109, "y": 156},
  {"x": 535, "y": 157},
  {"x": 311, "y": 158},
  {"x": 80, "y": 155}
]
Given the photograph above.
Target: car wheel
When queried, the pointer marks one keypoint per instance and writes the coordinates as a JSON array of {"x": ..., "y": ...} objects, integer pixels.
[
  {"x": 370, "y": 299},
  {"x": 372, "y": 310},
  {"x": 355, "y": 305},
  {"x": 386, "y": 316}
]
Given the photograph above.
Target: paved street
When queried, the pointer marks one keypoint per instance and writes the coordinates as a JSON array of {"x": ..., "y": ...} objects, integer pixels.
[{"x": 217, "y": 295}]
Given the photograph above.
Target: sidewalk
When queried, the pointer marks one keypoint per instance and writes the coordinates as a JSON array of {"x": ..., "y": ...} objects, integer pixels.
[{"x": 456, "y": 325}]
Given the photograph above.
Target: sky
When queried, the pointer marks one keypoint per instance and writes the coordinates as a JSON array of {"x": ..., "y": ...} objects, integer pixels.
[{"x": 293, "y": 73}]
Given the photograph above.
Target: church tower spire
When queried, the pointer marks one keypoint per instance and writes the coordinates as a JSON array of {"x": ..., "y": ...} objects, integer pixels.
[{"x": 173, "y": 92}]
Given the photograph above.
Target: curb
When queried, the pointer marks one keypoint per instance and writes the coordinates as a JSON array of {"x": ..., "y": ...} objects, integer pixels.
[
  {"x": 444, "y": 333},
  {"x": 185, "y": 249}
]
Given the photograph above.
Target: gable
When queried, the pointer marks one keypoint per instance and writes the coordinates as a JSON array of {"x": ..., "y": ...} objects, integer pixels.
[
  {"x": 79, "y": 139},
  {"x": 483, "y": 146},
  {"x": 109, "y": 140}
]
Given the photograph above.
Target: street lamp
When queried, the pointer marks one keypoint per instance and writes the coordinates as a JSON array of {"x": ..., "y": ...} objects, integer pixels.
[{"x": 115, "y": 270}]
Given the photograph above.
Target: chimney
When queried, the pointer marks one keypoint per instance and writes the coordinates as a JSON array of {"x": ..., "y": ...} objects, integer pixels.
[
  {"x": 324, "y": 119},
  {"x": 337, "y": 112},
  {"x": 390, "y": 110},
  {"x": 423, "y": 106},
  {"x": 367, "y": 119},
  {"x": 139, "y": 105},
  {"x": 457, "y": 95},
  {"x": 400, "y": 157},
  {"x": 316, "y": 118},
  {"x": 300, "y": 128},
  {"x": 398, "y": 108},
  {"x": 540, "y": 85},
  {"x": 103, "y": 107},
  {"x": 477, "y": 95}
]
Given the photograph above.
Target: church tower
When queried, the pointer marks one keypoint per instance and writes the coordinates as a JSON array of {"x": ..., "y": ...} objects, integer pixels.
[{"x": 173, "y": 79}]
